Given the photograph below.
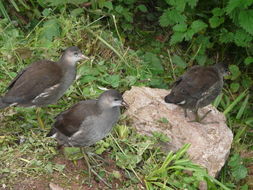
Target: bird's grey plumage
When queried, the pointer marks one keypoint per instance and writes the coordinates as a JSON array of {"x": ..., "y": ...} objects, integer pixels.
[
  {"x": 43, "y": 82},
  {"x": 88, "y": 121},
  {"x": 198, "y": 87}
]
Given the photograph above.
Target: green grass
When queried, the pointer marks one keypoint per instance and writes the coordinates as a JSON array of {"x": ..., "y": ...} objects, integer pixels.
[{"x": 25, "y": 152}]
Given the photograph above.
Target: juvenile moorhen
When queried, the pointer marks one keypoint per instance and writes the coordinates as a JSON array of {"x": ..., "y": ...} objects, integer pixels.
[
  {"x": 197, "y": 88},
  {"x": 87, "y": 122},
  {"x": 43, "y": 82}
]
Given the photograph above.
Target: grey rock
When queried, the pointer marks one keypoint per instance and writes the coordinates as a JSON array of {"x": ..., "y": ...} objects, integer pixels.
[{"x": 210, "y": 143}]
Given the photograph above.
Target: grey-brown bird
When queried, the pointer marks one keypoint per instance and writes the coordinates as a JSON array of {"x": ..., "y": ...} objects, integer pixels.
[
  {"x": 197, "y": 88},
  {"x": 43, "y": 82},
  {"x": 88, "y": 121}
]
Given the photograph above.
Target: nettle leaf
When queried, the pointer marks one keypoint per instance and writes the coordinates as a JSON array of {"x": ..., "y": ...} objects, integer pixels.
[
  {"x": 235, "y": 72},
  {"x": 234, "y": 87},
  {"x": 192, "y": 3},
  {"x": 113, "y": 80},
  {"x": 248, "y": 60},
  {"x": 182, "y": 27},
  {"x": 119, "y": 9},
  {"x": 198, "y": 25},
  {"x": 226, "y": 36},
  {"x": 51, "y": 29},
  {"x": 153, "y": 62},
  {"x": 242, "y": 38},
  {"x": 176, "y": 38},
  {"x": 216, "y": 21},
  {"x": 233, "y": 4},
  {"x": 218, "y": 12},
  {"x": 108, "y": 5},
  {"x": 239, "y": 172},
  {"x": 246, "y": 20},
  {"x": 178, "y": 61},
  {"x": 170, "y": 17},
  {"x": 142, "y": 8}
]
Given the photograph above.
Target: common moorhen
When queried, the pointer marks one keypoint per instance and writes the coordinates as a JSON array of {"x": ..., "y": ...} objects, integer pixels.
[
  {"x": 87, "y": 122},
  {"x": 43, "y": 82},
  {"x": 197, "y": 88}
]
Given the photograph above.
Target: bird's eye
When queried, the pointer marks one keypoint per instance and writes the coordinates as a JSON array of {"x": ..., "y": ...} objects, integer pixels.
[
  {"x": 76, "y": 53},
  {"x": 116, "y": 99}
]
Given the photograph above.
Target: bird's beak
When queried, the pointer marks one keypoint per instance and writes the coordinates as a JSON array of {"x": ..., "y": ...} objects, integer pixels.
[
  {"x": 124, "y": 104},
  {"x": 82, "y": 56}
]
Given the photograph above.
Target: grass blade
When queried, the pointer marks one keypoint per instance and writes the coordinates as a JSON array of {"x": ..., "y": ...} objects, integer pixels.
[
  {"x": 235, "y": 102},
  {"x": 3, "y": 11},
  {"x": 241, "y": 111}
]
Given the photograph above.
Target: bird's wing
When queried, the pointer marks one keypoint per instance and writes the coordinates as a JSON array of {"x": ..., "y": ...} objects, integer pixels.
[
  {"x": 70, "y": 121},
  {"x": 33, "y": 81},
  {"x": 199, "y": 80}
]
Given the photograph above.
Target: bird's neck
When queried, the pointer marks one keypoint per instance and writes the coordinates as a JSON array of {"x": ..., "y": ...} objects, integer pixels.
[{"x": 66, "y": 64}]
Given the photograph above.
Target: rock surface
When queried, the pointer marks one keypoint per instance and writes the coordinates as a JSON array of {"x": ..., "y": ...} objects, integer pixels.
[{"x": 210, "y": 143}]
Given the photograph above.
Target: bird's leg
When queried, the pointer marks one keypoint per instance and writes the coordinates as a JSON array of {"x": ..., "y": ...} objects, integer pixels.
[
  {"x": 90, "y": 169},
  {"x": 41, "y": 123},
  {"x": 86, "y": 158},
  {"x": 200, "y": 119},
  {"x": 203, "y": 117},
  {"x": 185, "y": 112}
]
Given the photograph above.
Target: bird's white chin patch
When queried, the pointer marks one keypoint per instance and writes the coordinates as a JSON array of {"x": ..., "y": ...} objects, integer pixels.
[
  {"x": 181, "y": 103},
  {"x": 116, "y": 103}
]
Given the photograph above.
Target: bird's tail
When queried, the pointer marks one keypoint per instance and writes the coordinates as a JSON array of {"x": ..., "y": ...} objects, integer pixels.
[
  {"x": 3, "y": 104},
  {"x": 52, "y": 133}
]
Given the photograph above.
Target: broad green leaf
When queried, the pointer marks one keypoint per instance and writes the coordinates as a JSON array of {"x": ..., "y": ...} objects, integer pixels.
[
  {"x": 232, "y": 4},
  {"x": 242, "y": 38},
  {"x": 216, "y": 21},
  {"x": 198, "y": 25},
  {"x": 239, "y": 172},
  {"x": 178, "y": 61},
  {"x": 234, "y": 87},
  {"x": 192, "y": 3},
  {"x": 170, "y": 17},
  {"x": 182, "y": 27},
  {"x": 153, "y": 62},
  {"x": 218, "y": 11},
  {"x": 248, "y": 60},
  {"x": 235, "y": 72},
  {"x": 113, "y": 80},
  {"x": 142, "y": 8},
  {"x": 176, "y": 37},
  {"x": 108, "y": 5},
  {"x": 246, "y": 20},
  {"x": 51, "y": 29}
]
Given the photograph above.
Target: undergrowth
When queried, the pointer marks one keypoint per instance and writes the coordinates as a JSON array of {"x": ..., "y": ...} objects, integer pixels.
[{"x": 162, "y": 46}]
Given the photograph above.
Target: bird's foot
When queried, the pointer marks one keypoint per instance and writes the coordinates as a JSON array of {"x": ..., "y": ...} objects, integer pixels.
[
  {"x": 91, "y": 170},
  {"x": 200, "y": 119}
]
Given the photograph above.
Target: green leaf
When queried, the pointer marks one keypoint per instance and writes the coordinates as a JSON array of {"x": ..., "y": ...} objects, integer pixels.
[
  {"x": 113, "y": 80},
  {"x": 234, "y": 87},
  {"x": 108, "y": 5},
  {"x": 182, "y": 27},
  {"x": 239, "y": 172},
  {"x": 198, "y": 25},
  {"x": 192, "y": 3},
  {"x": 248, "y": 60},
  {"x": 153, "y": 62},
  {"x": 235, "y": 72},
  {"x": 176, "y": 37},
  {"x": 119, "y": 9},
  {"x": 232, "y": 4},
  {"x": 142, "y": 8},
  {"x": 51, "y": 29},
  {"x": 170, "y": 17},
  {"x": 246, "y": 20},
  {"x": 178, "y": 61},
  {"x": 242, "y": 38},
  {"x": 218, "y": 11},
  {"x": 216, "y": 21},
  {"x": 225, "y": 36}
]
